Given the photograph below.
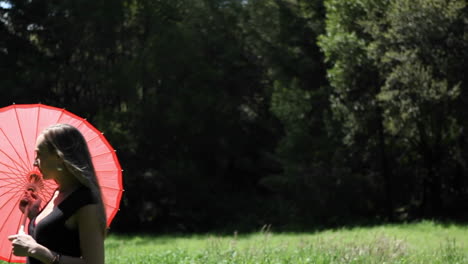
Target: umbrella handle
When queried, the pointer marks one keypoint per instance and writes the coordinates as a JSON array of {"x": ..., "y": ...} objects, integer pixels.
[{"x": 21, "y": 230}]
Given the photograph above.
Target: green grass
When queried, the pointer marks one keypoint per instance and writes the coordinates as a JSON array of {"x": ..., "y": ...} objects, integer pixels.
[{"x": 424, "y": 242}]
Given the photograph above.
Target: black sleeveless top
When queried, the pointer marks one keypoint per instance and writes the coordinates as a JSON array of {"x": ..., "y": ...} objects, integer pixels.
[{"x": 51, "y": 231}]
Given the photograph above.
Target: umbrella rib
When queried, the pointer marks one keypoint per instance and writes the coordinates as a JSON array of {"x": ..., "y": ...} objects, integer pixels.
[
  {"x": 18, "y": 167},
  {"x": 10, "y": 191},
  {"x": 16, "y": 151},
  {"x": 9, "y": 181},
  {"x": 81, "y": 123},
  {"x": 104, "y": 153},
  {"x": 13, "y": 183},
  {"x": 37, "y": 121},
  {"x": 11, "y": 255},
  {"x": 62, "y": 111},
  {"x": 11, "y": 170},
  {"x": 22, "y": 135},
  {"x": 110, "y": 205},
  {"x": 15, "y": 192},
  {"x": 111, "y": 188},
  {"x": 11, "y": 212},
  {"x": 96, "y": 136}
]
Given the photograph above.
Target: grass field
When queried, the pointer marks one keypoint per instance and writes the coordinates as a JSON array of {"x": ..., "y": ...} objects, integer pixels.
[{"x": 424, "y": 242}]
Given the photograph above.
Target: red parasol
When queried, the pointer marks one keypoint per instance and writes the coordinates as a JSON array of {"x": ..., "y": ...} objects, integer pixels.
[{"x": 20, "y": 125}]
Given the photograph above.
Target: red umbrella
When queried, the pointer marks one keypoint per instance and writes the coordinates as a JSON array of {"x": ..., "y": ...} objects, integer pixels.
[{"x": 20, "y": 125}]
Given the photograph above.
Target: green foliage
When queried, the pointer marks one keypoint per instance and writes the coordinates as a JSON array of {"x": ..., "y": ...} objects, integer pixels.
[
  {"x": 415, "y": 61},
  {"x": 204, "y": 97},
  {"x": 352, "y": 73},
  {"x": 421, "y": 86},
  {"x": 243, "y": 113},
  {"x": 396, "y": 84}
]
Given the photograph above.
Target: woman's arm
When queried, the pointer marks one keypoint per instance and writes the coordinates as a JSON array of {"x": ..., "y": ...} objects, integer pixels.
[
  {"x": 25, "y": 246},
  {"x": 91, "y": 241},
  {"x": 91, "y": 235}
]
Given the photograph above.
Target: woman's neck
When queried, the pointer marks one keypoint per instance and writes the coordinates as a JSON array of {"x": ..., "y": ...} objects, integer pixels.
[{"x": 67, "y": 183}]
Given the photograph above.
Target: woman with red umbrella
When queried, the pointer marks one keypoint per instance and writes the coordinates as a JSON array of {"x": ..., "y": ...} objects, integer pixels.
[{"x": 71, "y": 227}]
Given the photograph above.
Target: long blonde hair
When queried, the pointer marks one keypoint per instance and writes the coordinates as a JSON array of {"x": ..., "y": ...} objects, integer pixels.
[{"x": 70, "y": 145}]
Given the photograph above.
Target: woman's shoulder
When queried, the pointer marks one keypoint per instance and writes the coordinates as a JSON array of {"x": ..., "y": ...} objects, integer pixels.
[
  {"x": 82, "y": 196},
  {"x": 85, "y": 195}
]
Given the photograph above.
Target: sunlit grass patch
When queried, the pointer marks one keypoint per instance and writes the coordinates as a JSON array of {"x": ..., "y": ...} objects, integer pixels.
[{"x": 424, "y": 242}]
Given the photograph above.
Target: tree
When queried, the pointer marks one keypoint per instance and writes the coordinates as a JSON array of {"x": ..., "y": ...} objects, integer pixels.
[
  {"x": 396, "y": 75},
  {"x": 62, "y": 52},
  {"x": 420, "y": 48},
  {"x": 356, "y": 82},
  {"x": 201, "y": 88}
]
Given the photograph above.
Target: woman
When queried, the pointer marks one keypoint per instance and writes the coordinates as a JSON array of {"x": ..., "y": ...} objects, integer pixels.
[{"x": 71, "y": 227}]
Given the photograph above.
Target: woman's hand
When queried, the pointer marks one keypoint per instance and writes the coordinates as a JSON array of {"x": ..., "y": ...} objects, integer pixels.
[
  {"x": 23, "y": 245},
  {"x": 32, "y": 202}
]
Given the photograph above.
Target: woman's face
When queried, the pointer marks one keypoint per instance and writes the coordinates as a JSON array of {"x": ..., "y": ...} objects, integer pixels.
[{"x": 45, "y": 161}]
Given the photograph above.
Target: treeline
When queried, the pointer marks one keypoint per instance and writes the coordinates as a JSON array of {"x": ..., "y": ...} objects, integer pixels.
[{"x": 233, "y": 114}]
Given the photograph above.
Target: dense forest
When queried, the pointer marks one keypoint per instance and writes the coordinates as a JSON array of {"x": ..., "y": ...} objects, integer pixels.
[{"x": 234, "y": 114}]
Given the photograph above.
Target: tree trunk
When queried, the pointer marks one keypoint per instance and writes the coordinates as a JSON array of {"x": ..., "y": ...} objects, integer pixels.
[{"x": 385, "y": 170}]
